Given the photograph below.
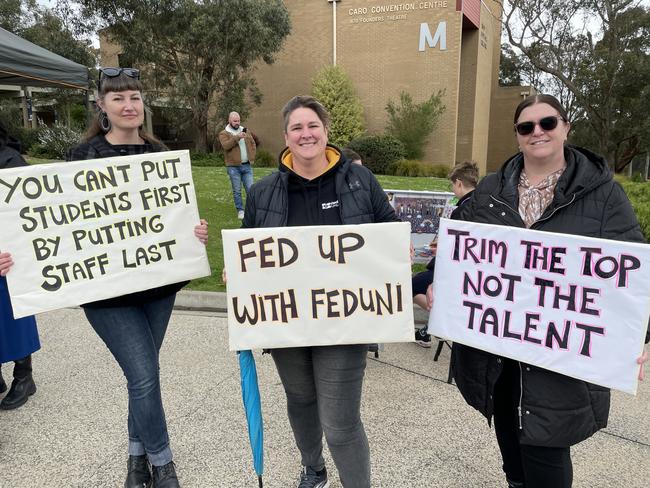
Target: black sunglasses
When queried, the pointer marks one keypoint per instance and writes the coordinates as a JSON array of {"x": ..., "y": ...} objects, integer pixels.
[
  {"x": 113, "y": 72},
  {"x": 547, "y": 124}
]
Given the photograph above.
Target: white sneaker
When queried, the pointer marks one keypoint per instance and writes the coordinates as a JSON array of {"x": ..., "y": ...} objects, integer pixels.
[{"x": 240, "y": 214}]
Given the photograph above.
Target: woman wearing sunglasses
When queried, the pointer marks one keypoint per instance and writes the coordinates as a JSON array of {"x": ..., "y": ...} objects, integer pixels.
[
  {"x": 554, "y": 187},
  {"x": 132, "y": 326}
]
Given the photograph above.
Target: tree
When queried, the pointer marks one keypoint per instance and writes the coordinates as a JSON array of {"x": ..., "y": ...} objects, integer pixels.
[
  {"x": 10, "y": 14},
  {"x": 197, "y": 53},
  {"x": 412, "y": 123},
  {"x": 603, "y": 71},
  {"x": 54, "y": 30},
  {"x": 510, "y": 67},
  {"x": 333, "y": 88}
]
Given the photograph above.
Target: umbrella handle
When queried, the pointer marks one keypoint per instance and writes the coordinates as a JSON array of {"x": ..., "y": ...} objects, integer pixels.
[{"x": 259, "y": 480}]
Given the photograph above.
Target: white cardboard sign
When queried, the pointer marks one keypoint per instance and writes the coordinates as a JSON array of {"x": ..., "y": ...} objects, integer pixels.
[
  {"x": 89, "y": 230},
  {"x": 574, "y": 305},
  {"x": 317, "y": 286}
]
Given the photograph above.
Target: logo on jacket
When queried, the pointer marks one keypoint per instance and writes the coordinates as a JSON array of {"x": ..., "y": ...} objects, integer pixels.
[
  {"x": 328, "y": 205},
  {"x": 354, "y": 185}
]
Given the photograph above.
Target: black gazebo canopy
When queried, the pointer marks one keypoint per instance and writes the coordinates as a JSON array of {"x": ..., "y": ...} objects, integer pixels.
[{"x": 26, "y": 64}]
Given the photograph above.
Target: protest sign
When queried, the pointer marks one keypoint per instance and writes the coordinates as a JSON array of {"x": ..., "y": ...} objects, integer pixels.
[
  {"x": 88, "y": 230},
  {"x": 317, "y": 286},
  {"x": 423, "y": 210},
  {"x": 574, "y": 305}
]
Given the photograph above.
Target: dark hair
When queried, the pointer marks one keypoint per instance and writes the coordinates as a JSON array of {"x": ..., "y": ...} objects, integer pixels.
[
  {"x": 467, "y": 172},
  {"x": 535, "y": 99},
  {"x": 119, "y": 83},
  {"x": 350, "y": 155},
  {"x": 305, "y": 101}
]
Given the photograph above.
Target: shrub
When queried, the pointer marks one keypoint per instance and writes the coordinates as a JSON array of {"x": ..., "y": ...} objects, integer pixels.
[
  {"x": 206, "y": 159},
  {"x": 264, "y": 159},
  {"x": 333, "y": 88},
  {"x": 412, "y": 123},
  {"x": 639, "y": 195},
  {"x": 378, "y": 152},
  {"x": 27, "y": 137},
  {"x": 411, "y": 167},
  {"x": 54, "y": 141}
]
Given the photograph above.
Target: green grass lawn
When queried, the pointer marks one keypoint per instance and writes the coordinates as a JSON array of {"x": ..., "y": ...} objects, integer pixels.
[{"x": 216, "y": 206}]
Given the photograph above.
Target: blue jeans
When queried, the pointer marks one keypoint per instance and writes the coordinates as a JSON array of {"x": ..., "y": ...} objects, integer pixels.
[
  {"x": 323, "y": 387},
  {"x": 134, "y": 336},
  {"x": 238, "y": 174}
]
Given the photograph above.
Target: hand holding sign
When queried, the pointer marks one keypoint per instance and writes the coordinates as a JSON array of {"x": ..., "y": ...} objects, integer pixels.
[
  {"x": 5, "y": 263},
  {"x": 641, "y": 361}
]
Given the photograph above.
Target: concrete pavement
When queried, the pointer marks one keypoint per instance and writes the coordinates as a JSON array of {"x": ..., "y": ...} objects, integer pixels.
[{"x": 72, "y": 433}]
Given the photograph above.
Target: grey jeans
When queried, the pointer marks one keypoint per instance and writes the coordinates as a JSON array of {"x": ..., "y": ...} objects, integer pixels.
[{"x": 323, "y": 387}]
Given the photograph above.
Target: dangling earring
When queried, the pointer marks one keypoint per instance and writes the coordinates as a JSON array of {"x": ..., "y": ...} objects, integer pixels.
[{"x": 104, "y": 123}]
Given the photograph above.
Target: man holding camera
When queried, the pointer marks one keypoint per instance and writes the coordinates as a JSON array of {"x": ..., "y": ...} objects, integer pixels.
[{"x": 239, "y": 154}]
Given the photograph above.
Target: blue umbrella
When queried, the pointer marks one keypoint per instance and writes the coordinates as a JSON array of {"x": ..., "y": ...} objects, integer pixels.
[{"x": 250, "y": 392}]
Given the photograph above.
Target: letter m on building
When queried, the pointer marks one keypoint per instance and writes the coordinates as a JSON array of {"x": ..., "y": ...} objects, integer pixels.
[{"x": 440, "y": 36}]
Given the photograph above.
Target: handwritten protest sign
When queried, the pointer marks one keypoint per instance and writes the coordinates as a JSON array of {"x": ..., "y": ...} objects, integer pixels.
[
  {"x": 88, "y": 230},
  {"x": 574, "y": 305},
  {"x": 311, "y": 286}
]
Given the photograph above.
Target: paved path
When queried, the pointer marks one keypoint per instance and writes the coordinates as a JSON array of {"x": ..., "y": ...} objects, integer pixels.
[{"x": 72, "y": 433}]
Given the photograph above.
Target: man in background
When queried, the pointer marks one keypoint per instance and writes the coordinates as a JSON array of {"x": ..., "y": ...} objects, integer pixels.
[{"x": 239, "y": 154}]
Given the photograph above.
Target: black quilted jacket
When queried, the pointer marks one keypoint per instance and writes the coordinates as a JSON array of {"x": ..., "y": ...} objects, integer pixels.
[
  {"x": 557, "y": 411},
  {"x": 362, "y": 200}
]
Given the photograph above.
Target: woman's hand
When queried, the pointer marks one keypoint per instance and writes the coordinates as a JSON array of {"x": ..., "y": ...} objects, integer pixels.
[
  {"x": 5, "y": 263},
  {"x": 641, "y": 360},
  {"x": 201, "y": 231}
]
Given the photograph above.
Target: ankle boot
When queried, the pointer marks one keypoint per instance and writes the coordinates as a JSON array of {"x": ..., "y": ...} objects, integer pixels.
[
  {"x": 22, "y": 387},
  {"x": 139, "y": 474},
  {"x": 165, "y": 476},
  {"x": 3, "y": 385}
]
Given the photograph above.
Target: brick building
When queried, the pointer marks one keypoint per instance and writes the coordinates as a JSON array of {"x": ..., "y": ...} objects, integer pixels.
[{"x": 419, "y": 47}]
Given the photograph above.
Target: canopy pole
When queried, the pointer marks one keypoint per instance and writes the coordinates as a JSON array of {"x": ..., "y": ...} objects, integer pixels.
[{"x": 24, "y": 106}]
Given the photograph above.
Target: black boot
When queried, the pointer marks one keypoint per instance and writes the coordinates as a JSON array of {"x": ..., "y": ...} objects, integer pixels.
[
  {"x": 165, "y": 476},
  {"x": 139, "y": 475},
  {"x": 22, "y": 387},
  {"x": 3, "y": 385},
  {"x": 514, "y": 484}
]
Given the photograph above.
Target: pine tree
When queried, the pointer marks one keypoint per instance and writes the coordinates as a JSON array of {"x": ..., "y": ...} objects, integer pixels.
[{"x": 333, "y": 88}]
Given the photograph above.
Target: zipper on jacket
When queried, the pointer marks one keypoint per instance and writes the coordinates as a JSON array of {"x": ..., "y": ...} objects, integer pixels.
[
  {"x": 521, "y": 395},
  {"x": 573, "y": 197}
]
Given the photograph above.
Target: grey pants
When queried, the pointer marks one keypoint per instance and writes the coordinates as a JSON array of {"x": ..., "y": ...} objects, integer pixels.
[{"x": 323, "y": 387}]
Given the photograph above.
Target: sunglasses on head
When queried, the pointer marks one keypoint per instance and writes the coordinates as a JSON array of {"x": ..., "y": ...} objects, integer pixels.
[
  {"x": 547, "y": 124},
  {"x": 114, "y": 72}
]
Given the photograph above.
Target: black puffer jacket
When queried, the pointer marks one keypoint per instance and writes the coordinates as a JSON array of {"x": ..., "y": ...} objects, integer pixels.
[
  {"x": 361, "y": 198},
  {"x": 9, "y": 151},
  {"x": 557, "y": 411}
]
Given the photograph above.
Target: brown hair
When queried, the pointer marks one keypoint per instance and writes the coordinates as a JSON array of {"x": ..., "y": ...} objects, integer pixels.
[
  {"x": 350, "y": 155},
  {"x": 467, "y": 172},
  {"x": 535, "y": 99},
  {"x": 119, "y": 83},
  {"x": 305, "y": 101}
]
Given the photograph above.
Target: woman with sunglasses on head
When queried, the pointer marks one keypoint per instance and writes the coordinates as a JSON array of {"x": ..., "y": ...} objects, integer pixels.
[
  {"x": 553, "y": 187},
  {"x": 133, "y": 326}
]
